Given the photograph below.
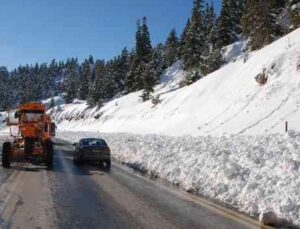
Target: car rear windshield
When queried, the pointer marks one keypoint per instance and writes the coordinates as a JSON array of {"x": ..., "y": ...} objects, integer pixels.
[{"x": 94, "y": 142}]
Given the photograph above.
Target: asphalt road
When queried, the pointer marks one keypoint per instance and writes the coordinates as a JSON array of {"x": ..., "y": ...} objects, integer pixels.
[{"x": 88, "y": 196}]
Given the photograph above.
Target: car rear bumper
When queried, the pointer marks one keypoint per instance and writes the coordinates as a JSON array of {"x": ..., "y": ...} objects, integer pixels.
[
  {"x": 90, "y": 157},
  {"x": 30, "y": 159}
]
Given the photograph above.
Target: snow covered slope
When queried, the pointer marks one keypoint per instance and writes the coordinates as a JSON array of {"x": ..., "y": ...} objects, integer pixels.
[
  {"x": 3, "y": 116},
  {"x": 228, "y": 101},
  {"x": 58, "y": 100}
]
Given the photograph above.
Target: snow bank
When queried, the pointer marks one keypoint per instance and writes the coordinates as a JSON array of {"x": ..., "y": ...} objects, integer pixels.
[
  {"x": 251, "y": 173},
  {"x": 228, "y": 101}
]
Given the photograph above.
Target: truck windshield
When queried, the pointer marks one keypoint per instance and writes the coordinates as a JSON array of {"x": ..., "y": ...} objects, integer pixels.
[{"x": 32, "y": 116}]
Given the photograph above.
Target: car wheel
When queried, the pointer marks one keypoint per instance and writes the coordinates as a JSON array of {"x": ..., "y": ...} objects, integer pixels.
[
  {"x": 77, "y": 161},
  {"x": 108, "y": 164}
]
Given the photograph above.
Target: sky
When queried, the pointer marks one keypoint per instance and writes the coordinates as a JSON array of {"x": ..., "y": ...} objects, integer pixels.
[{"x": 37, "y": 31}]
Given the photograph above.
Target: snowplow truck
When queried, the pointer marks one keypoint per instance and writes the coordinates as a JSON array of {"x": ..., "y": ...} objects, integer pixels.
[{"x": 32, "y": 138}]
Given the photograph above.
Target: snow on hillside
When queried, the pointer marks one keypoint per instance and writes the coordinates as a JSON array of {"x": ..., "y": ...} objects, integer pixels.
[
  {"x": 228, "y": 101},
  {"x": 58, "y": 100},
  {"x": 3, "y": 116},
  {"x": 252, "y": 174}
]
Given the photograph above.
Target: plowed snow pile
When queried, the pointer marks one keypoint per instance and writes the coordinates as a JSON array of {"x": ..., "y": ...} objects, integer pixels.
[{"x": 228, "y": 101}]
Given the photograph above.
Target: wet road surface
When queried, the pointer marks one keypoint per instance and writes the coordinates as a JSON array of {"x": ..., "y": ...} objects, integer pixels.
[{"x": 87, "y": 196}]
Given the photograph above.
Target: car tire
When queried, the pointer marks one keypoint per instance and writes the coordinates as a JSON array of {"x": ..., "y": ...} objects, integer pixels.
[
  {"x": 76, "y": 161},
  {"x": 108, "y": 164}
]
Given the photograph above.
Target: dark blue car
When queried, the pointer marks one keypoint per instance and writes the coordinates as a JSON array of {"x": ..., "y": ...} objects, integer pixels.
[{"x": 92, "y": 149}]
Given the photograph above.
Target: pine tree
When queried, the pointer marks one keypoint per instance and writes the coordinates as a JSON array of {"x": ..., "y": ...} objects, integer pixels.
[
  {"x": 214, "y": 57},
  {"x": 151, "y": 71},
  {"x": 136, "y": 71},
  {"x": 195, "y": 46},
  {"x": 172, "y": 48},
  {"x": 148, "y": 80},
  {"x": 72, "y": 73},
  {"x": 138, "y": 40},
  {"x": 4, "y": 89},
  {"x": 84, "y": 79},
  {"x": 91, "y": 60},
  {"x": 230, "y": 21},
  {"x": 214, "y": 60},
  {"x": 144, "y": 48},
  {"x": 294, "y": 12},
  {"x": 209, "y": 20},
  {"x": 95, "y": 94},
  {"x": 259, "y": 24},
  {"x": 159, "y": 60},
  {"x": 147, "y": 68},
  {"x": 122, "y": 67},
  {"x": 52, "y": 103},
  {"x": 130, "y": 78},
  {"x": 183, "y": 40}
]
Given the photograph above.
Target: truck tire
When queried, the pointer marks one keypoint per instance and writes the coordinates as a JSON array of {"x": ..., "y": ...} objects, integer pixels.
[
  {"x": 28, "y": 145},
  {"x": 48, "y": 148},
  {"x": 6, "y": 154}
]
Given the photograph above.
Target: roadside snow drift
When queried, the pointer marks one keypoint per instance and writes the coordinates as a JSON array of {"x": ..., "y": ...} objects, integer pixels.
[
  {"x": 228, "y": 101},
  {"x": 254, "y": 174}
]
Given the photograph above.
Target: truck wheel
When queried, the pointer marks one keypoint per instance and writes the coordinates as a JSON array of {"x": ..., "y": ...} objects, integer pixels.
[
  {"x": 6, "y": 154},
  {"x": 28, "y": 145},
  {"x": 48, "y": 148}
]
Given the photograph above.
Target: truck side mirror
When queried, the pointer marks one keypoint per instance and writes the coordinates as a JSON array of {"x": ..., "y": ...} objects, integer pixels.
[
  {"x": 52, "y": 128},
  {"x": 17, "y": 114}
]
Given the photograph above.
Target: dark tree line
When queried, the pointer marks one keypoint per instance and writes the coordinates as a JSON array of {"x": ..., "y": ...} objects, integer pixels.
[{"x": 199, "y": 47}]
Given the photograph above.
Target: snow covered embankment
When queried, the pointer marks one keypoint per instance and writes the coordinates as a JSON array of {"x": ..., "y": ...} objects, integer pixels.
[
  {"x": 3, "y": 117},
  {"x": 251, "y": 173},
  {"x": 227, "y": 101}
]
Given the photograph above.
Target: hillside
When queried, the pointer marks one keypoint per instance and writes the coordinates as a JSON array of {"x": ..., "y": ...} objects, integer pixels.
[
  {"x": 2, "y": 119},
  {"x": 228, "y": 101}
]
